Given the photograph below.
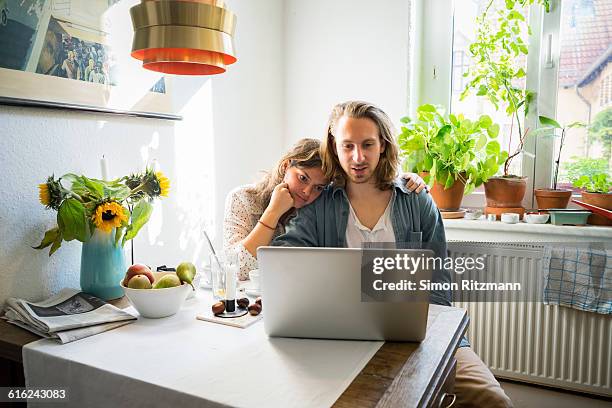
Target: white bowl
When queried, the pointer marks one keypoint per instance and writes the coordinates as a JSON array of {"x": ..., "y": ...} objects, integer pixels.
[
  {"x": 156, "y": 303},
  {"x": 536, "y": 218},
  {"x": 510, "y": 218},
  {"x": 254, "y": 277}
]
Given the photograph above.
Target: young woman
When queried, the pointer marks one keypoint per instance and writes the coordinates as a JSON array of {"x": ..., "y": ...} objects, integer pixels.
[{"x": 256, "y": 214}]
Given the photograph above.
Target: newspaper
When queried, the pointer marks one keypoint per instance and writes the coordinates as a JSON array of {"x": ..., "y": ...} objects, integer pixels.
[{"x": 68, "y": 316}]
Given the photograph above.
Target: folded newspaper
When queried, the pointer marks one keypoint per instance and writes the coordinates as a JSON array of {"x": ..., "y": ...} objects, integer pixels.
[{"x": 68, "y": 316}]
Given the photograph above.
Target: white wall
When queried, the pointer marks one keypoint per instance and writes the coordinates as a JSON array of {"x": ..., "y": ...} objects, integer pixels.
[
  {"x": 296, "y": 59},
  {"x": 340, "y": 50},
  {"x": 231, "y": 129}
]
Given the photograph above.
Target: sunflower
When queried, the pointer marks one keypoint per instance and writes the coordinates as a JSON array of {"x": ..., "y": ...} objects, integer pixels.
[
  {"x": 44, "y": 195},
  {"x": 109, "y": 215},
  {"x": 51, "y": 193},
  {"x": 164, "y": 184}
]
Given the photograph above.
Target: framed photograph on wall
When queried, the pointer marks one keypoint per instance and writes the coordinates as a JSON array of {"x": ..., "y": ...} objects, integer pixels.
[{"x": 75, "y": 54}]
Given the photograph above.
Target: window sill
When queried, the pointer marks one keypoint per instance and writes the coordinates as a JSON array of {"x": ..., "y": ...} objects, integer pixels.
[{"x": 482, "y": 230}]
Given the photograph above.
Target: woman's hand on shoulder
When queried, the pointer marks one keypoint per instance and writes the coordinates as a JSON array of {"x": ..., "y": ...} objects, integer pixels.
[
  {"x": 414, "y": 182},
  {"x": 281, "y": 200}
]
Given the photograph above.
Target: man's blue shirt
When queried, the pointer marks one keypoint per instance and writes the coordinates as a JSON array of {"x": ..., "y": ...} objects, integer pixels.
[{"x": 415, "y": 219}]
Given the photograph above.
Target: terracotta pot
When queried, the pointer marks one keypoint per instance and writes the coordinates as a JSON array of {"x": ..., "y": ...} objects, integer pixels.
[
  {"x": 600, "y": 200},
  {"x": 549, "y": 198},
  {"x": 447, "y": 200},
  {"x": 505, "y": 192}
]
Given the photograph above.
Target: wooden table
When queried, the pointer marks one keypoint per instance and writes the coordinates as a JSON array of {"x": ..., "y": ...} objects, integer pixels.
[{"x": 399, "y": 374}]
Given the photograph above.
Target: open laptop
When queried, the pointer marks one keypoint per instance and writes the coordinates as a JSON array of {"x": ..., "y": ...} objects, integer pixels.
[{"x": 316, "y": 293}]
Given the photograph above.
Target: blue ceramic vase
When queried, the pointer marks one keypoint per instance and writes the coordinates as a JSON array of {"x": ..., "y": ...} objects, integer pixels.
[{"x": 102, "y": 266}]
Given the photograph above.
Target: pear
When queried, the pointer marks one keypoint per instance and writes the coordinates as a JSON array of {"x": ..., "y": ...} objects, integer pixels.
[
  {"x": 186, "y": 272},
  {"x": 167, "y": 281},
  {"x": 139, "y": 282}
]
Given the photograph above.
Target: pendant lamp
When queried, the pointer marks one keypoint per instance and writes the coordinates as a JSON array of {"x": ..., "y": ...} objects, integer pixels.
[{"x": 183, "y": 37}]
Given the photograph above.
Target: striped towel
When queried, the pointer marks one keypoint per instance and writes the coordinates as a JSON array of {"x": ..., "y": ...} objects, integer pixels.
[{"x": 578, "y": 277}]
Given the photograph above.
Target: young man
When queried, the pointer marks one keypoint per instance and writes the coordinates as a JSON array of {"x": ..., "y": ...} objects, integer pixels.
[{"x": 366, "y": 204}]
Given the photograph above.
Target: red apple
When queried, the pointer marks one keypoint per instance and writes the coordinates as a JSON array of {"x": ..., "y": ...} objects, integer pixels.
[{"x": 138, "y": 269}]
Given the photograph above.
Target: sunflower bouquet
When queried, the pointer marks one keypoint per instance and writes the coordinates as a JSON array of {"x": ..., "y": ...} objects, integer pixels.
[{"x": 85, "y": 204}]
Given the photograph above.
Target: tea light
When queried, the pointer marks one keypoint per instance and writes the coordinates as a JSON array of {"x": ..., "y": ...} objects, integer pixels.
[{"x": 491, "y": 217}]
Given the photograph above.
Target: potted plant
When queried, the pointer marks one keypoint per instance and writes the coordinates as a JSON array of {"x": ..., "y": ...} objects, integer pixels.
[
  {"x": 454, "y": 154},
  {"x": 103, "y": 215},
  {"x": 597, "y": 191},
  {"x": 496, "y": 53},
  {"x": 554, "y": 197}
]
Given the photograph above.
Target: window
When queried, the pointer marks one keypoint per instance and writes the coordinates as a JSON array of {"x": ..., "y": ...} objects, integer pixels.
[
  {"x": 473, "y": 106},
  {"x": 568, "y": 66},
  {"x": 584, "y": 87}
]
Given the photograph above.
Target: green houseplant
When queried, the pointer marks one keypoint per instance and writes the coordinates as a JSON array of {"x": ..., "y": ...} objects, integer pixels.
[
  {"x": 494, "y": 75},
  {"x": 455, "y": 154},
  {"x": 554, "y": 197},
  {"x": 597, "y": 191}
]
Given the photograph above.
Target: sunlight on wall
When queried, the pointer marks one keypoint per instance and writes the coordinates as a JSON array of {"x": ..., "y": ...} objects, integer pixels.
[{"x": 194, "y": 167}]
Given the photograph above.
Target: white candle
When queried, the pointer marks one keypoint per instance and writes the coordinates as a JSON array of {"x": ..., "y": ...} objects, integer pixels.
[
  {"x": 155, "y": 165},
  {"x": 230, "y": 282},
  {"x": 104, "y": 168}
]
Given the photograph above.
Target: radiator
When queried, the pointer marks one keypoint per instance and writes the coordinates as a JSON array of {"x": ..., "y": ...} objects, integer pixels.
[{"x": 532, "y": 342}]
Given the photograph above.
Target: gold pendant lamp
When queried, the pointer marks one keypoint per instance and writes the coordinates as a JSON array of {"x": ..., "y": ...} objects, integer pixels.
[{"x": 183, "y": 37}]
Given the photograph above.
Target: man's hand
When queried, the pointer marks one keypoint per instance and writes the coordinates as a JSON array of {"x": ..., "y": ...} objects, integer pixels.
[
  {"x": 414, "y": 182},
  {"x": 281, "y": 200}
]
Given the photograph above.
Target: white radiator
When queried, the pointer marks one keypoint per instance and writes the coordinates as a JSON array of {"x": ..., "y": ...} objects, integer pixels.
[{"x": 533, "y": 342}]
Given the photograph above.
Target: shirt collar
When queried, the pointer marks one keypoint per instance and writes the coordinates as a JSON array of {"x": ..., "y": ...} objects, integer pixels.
[{"x": 383, "y": 223}]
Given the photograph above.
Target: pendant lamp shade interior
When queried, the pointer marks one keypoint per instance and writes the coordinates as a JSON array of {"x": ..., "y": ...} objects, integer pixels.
[{"x": 183, "y": 37}]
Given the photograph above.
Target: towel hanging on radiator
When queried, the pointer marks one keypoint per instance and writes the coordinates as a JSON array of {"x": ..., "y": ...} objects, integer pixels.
[{"x": 578, "y": 277}]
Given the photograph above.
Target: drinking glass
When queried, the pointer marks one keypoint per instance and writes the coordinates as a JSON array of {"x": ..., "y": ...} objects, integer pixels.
[{"x": 227, "y": 266}]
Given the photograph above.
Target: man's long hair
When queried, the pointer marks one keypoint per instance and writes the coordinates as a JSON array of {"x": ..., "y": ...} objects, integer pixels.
[{"x": 388, "y": 165}]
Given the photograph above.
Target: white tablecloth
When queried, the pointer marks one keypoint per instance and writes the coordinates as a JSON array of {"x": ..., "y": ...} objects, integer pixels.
[{"x": 179, "y": 361}]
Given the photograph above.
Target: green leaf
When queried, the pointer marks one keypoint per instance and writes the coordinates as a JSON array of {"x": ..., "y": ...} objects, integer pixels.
[
  {"x": 96, "y": 188},
  {"x": 56, "y": 244},
  {"x": 493, "y": 130},
  {"x": 576, "y": 125},
  {"x": 49, "y": 238},
  {"x": 118, "y": 233},
  {"x": 405, "y": 119},
  {"x": 549, "y": 122},
  {"x": 482, "y": 90},
  {"x": 428, "y": 163},
  {"x": 503, "y": 156},
  {"x": 493, "y": 148},
  {"x": 140, "y": 215},
  {"x": 118, "y": 191},
  {"x": 482, "y": 141},
  {"x": 450, "y": 180},
  {"x": 426, "y": 108},
  {"x": 515, "y": 15},
  {"x": 485, "y": 121},
  {"x": 72, "y": 220}
]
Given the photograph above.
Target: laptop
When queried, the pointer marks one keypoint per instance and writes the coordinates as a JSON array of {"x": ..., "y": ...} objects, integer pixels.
[{"x": 316, "y": 293}]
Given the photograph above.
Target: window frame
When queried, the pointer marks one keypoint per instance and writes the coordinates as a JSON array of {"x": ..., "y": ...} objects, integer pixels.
[{"x": 433, "y": 30}]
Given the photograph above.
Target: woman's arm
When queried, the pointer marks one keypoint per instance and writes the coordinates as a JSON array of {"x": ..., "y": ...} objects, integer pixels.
[
  {"x": 239, "y": 233},
  {"x": 263, "y": 232}
]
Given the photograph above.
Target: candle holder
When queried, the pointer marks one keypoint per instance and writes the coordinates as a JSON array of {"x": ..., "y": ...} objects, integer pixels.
[{"x": 224, "y": 269}]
